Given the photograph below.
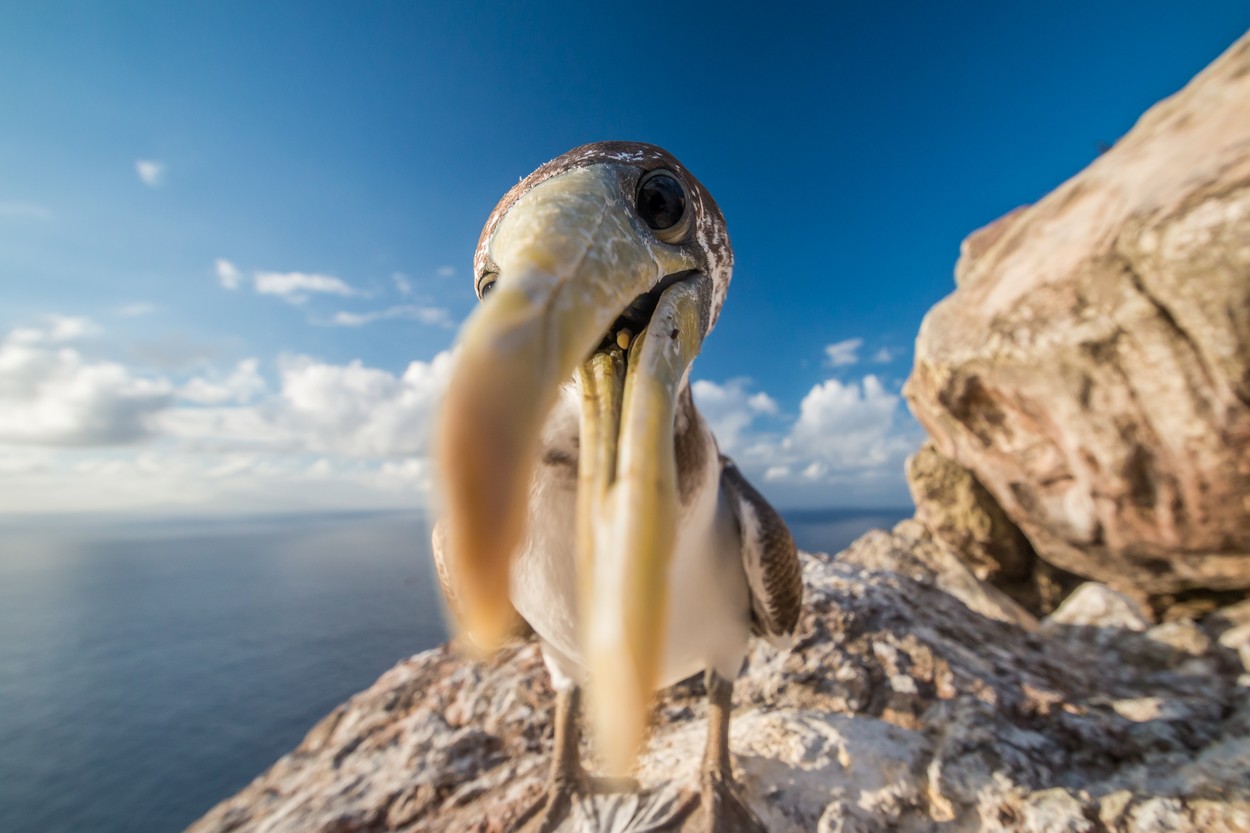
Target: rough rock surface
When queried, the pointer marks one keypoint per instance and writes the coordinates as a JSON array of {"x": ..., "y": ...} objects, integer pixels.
[
  {"x": 958, "y": 510},
  {"x": 916, "y": 699},
  {"x": 1092, "y": 369}
]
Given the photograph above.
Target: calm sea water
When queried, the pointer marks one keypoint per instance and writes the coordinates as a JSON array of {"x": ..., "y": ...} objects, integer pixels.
[{"x": 150, "y": 669}]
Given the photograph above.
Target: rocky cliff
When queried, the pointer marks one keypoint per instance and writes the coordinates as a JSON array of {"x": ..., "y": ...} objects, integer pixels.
[
  {"x": 1092, "y": 370},
  {"x": 917, "y": 698},
  {"x": 1087, "y": 392}
]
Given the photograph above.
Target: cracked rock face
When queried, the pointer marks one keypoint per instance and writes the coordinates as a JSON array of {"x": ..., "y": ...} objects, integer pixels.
[
  {"x": 1092, "y": 370},
  {"x": 916, "y": 698},
  {"x": 958, "y": 510}
]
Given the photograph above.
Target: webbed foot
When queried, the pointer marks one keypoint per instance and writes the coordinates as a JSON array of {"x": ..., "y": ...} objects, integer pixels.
[
  {"x": 723, "y": 809},
  {"x": 550, "y": 810}
]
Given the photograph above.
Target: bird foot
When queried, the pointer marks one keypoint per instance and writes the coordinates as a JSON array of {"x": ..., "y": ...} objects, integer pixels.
[
  {"x": 608, "y": 805},
  {"x": 722, "y": 809},
  {"x": 550, "y": 810}
]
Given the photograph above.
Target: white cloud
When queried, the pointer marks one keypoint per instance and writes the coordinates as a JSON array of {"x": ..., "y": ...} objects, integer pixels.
[
  {"x": 445, "y": 271},
  {"x": 729, "y": 409},
  {"x": 25, "y": 210},
  {"x": 435, "y": 316},
  {"x": 816, "y": 470},
  {"x": 762, "y": 403},
  {"x": 158, "y": 479},
  {"x": 328, "y": 436},
  {"x": 135, "y": 310},
  {"x": 17, "y": 461},
  {"x": 402, "y": 285},
  {"x": 844, "y": 352},
  {"x": 295, "y": 286},
  {"x": 348, "y": 410},
  {"x": 849, "y": 425},
  {"x": 883, "y": 356},
  {"x": 231, "y": 465},
  {"x": 361, "y": 411},
  {"x": 242, "y": 385},
  {"x": 325, "y": 434},
  {"x": 151, "y": 172},
  {"x": 52, "y": 395},
  {"x": 229, "y": 276},
  {"x": 57, "y": 329},
  {"x": 848, "y": 443},
  {"x": 227, "y": 427}
]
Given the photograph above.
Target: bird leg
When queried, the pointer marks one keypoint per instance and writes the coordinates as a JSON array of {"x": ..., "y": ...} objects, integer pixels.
[
  {"x": 720, "y": 809},
  {"x": 724, "y": 809},
  {"x": 567, "y": 777}
]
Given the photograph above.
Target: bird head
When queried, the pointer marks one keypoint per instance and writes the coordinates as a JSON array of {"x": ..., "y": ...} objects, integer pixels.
[{"x": 605, "y": 268}]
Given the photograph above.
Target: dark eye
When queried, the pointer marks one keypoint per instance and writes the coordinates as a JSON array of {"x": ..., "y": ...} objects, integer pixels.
[
  {"x": 486, "y": 286},
  {"x": 662, "y": 205}
]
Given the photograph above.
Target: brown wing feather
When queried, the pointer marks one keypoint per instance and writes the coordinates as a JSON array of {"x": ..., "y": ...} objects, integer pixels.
[{"x": 769, "y": 557}]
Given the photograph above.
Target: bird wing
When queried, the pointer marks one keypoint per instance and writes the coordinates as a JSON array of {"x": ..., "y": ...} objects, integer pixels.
[{"x": 769, "y": 557}]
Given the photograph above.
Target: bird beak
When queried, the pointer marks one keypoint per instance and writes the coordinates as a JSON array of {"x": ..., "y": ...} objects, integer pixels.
[
  {"x": 627, "y": 513},
  {"x": 572, "y": 259}
]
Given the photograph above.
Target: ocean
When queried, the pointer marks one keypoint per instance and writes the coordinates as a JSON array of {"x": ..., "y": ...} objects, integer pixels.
[{"x": 151, "y": 668}]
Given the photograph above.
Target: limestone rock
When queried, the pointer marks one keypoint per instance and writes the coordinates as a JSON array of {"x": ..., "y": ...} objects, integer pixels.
[
  {"x": 1238, "y": 639},
  {"x": 1235, "y": 614},
  {"x": 1092, "y": 369},
  {"x": 901, "y": 707},
  {"x": 1098, "y": 606},
  {"x": 911, "y": 549},
  {"x": 959, "y": 512}
]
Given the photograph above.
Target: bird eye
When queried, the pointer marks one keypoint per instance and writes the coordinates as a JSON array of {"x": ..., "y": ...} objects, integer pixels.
[
  {"x": 662, "y": 205},
  {"x": 486, "y": 286}
]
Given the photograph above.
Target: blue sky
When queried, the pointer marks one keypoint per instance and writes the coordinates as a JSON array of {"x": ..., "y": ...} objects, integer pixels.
[{"x": 235, "y": 239}]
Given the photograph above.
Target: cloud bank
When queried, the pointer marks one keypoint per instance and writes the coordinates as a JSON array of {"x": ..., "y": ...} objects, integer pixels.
[
  {"x": 847, "y": 445},
  {"x": 82, "y": 432},
  {"x": 51, "y": 395}
]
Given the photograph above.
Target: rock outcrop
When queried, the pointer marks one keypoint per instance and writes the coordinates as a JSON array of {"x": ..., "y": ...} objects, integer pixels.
[
  {"x": 958, "y": 510},
  {"x": 917, "y": 698},
  {"x": 1092, "y": 370}
]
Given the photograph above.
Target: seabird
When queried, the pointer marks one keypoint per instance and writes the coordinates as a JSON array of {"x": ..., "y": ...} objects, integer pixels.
[{"x": 583, "y": 493}]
